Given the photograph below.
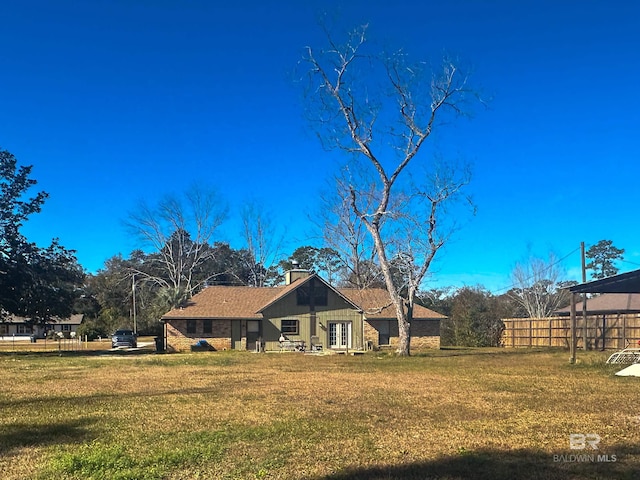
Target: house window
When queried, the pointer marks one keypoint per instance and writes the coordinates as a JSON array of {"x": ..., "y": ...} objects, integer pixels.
[
  {"x": 253, "y": 326},
  {"x": 191, "y": 326},
  {"x": 384, "y": 332},
  {"x": 4, "y": 329},
  {"x": 320, "y": 294},
  {"x": 23, "y": 329},
  {"x": 65, "y": 328},
  {"x": 207, "y": 326},
  {"x": 290, "y": 327}
]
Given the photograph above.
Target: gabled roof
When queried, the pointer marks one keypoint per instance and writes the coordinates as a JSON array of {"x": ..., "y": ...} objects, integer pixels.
[
  {"x": 227, "y": 302},
  {"x": 75, "y": 319},
  {"x": 299, "y": 283},
  {"x": 376, "y": 304},
  {"x": 608, "y": 303}
]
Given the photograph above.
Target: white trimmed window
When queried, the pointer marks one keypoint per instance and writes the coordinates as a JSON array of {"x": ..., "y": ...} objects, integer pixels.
[{"x": 290, "y": 327}]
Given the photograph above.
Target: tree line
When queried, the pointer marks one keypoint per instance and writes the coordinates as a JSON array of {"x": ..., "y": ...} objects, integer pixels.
[
  {"x": 43, "y": 284},
  {"x": 394, "y": 204}
]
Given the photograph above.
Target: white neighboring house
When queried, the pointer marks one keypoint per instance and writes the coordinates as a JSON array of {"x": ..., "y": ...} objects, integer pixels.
[{"x": 12, "y": 326}]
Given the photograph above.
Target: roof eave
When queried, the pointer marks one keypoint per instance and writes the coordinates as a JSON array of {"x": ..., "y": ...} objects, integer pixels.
[
  {"x": 299, "y": 283},
  {"x": 623, "y": 283}
]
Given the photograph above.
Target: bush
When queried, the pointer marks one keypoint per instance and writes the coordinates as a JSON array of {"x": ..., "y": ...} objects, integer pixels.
[{"x": 92, "y": 330}]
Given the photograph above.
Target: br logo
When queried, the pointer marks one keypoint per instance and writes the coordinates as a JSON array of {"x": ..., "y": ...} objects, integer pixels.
[{"x": 579, "y": 441}]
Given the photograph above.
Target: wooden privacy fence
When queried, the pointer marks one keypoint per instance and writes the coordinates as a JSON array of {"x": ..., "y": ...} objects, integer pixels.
[{"x": 610, "y": 331}]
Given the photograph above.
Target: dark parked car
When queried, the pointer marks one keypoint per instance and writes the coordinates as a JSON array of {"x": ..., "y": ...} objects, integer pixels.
[{"x": 124, "y": 338}]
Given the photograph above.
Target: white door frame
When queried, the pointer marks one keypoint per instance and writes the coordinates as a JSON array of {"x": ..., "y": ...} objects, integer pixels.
[{"x": 340, "y": 335}]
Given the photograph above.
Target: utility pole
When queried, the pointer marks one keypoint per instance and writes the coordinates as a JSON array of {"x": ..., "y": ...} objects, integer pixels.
[
  {"x": 572, "y": 340},
  {"x": 585, "y": 330},
  {"x": 133, "y": 296}
]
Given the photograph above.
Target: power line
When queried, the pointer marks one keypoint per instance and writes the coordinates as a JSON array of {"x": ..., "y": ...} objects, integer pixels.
[
  {"x": 549, "y": 267},
  {"x": 629, "y": 262}
]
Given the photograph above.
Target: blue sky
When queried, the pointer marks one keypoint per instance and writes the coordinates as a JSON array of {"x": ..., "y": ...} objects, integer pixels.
[{"x": 117, "y": 101}]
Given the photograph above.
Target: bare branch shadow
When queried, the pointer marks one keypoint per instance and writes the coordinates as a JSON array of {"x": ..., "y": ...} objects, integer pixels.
[
  {"x": 18, "y": 435},
  {"x": 621, "y": 463},
  {"x": 80, "y": 400}
]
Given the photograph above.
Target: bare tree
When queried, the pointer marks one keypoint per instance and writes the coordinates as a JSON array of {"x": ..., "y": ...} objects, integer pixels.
[
  {"x": 264, "y": 245},
  {"x": 351, "y": 115},
  {"x": 180, "y": 231},
  {"x": 345, "y": 233},
  {"x": 424, "y": 225},
  {"x": 538, "y": 286}
]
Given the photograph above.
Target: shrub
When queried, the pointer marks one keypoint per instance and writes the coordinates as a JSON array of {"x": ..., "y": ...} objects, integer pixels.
[{"x": 92, "y": 330}]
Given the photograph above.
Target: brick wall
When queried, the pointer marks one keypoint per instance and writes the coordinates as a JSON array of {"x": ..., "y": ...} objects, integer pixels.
[
  {"x": 424, "y": 333},
  {"x": 370, "y": 335},
  {"x": 180, "y": 341}
]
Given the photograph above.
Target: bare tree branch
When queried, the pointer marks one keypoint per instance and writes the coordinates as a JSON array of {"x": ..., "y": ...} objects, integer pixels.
[
  {"x": 179, "y": 231},
  {"x": 336, "y": 86},
  {"x": 263, "y": 244},
  {"x": 537, "y": 286}
]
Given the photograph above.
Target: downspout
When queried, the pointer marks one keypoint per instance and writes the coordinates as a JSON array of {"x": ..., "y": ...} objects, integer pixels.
[
  {"x": 364, "y": 343},
  {"x": 312, "y": 309}
]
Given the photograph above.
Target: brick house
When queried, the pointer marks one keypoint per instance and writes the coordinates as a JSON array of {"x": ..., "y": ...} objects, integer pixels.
[{"x": 308, "y": 312}]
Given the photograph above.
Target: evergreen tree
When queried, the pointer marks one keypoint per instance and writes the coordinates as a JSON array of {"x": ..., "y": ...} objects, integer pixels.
[{"x": 601, "y": 258}]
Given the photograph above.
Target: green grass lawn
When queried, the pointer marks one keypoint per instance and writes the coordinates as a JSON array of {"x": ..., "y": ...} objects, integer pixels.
[{"x": 488, "y": 414}]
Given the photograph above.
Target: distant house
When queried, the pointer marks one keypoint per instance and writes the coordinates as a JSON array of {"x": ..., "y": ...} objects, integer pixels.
[
  {"x": 608, "y": 303},
  {"x": 306, "y": 313},
  {"x": 23, "y": 327}
]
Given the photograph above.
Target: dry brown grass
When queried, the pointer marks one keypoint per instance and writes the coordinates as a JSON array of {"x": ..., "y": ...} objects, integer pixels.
[{"x": 448, "y": 414}]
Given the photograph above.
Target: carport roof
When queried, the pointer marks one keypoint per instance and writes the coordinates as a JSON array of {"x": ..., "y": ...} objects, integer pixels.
[{"x": 624, "y": 283}]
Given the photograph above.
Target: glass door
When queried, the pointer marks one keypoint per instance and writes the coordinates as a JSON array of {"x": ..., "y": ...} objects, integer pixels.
[{"x": 339, "y": 335}]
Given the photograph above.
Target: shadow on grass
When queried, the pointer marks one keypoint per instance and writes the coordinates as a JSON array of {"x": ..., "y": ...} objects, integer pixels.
[
  {"x": 73, "y": 401},
  {"x": 19, "y": 435},
  {"x": 80, "y": 353},
  {"x": 622, "y": 463},
  {"x": 450, "y": 351}
]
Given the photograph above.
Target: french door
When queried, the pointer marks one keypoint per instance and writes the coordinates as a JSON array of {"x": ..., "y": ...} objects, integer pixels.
[{"x": 339, "y": 335}]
